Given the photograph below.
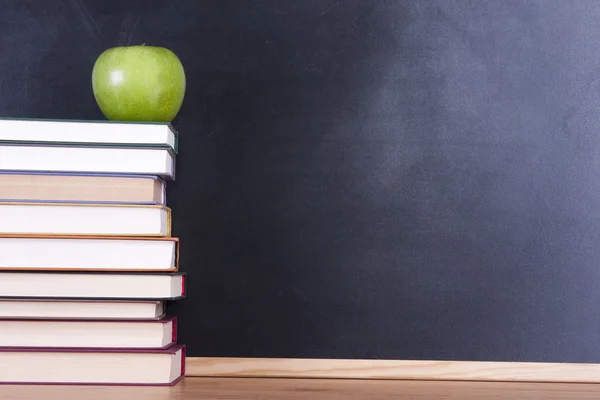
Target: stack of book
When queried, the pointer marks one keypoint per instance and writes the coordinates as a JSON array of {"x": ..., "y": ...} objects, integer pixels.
[{"x": 87, "y": 261}]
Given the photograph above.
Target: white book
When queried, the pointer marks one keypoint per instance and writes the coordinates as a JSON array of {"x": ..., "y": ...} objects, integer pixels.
[
  {"x": 98, "y": 160},
  {"x": 92, "y": 366},
  {"x": 92, "y": 286},
  {"x": 118, "y": 334},
  {"x": 120, "y": 133},
  {"x": 81, "y": 309},
  {"x": 88, "y": 253},
  {"x": 85, "y": 219}
]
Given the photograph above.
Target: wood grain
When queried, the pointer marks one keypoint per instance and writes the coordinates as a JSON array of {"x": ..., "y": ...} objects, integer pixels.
[
  {"x": 391, "y": 369},
  {"x": 314, "y": 389}
]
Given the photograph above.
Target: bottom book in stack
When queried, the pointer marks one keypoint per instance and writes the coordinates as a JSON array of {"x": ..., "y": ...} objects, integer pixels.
[{"x": 89, "y": 328}]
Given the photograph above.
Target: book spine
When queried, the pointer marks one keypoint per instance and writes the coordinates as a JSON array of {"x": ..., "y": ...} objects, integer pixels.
[
  {"x": 174, "y": 331},
  {"x": 183, "y": 354},
  {"x": 169, "y": 222}
]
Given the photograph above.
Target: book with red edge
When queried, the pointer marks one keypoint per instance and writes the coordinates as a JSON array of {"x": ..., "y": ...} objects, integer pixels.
[
  {"x": 92, "y": 366},
  {"x": 82, "y": 309}
]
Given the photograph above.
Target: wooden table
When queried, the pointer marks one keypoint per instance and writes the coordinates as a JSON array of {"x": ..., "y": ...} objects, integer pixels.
[{"x": 314, "y": 389}]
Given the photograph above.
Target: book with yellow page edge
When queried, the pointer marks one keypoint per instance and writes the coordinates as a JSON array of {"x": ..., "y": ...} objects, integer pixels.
[
  {"x": 88, "y": 253},
  {"x": 83, "y": 219}
]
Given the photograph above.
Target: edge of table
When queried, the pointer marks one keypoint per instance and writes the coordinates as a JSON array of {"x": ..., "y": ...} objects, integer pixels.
[{"x": 392, "y": 369}]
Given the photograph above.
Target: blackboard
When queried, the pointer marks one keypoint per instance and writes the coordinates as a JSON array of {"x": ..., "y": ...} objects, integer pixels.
[{"x": 361, "y": 179}]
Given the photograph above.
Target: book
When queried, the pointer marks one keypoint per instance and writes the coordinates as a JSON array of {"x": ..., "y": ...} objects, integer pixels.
[
  {"x": 89, "y": 132},
  {"x": 101, "y": 160},
  {"x": 81, "y": 188},
  {"x": 88, "y": 253},
  {"x": 92, "y": 366},
  {"x": 81, "y": 309},
  {"x": 21, "y": 332},
  {"x": 84, "y": 219},
  {"x": 92, "y": 285}
]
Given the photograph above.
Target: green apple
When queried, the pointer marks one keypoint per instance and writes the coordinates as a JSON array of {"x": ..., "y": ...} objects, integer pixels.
[{"x": 139, "y": 83}]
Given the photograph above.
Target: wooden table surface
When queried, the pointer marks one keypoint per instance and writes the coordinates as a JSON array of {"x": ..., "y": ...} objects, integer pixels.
[{"x": 314, "y": 389}]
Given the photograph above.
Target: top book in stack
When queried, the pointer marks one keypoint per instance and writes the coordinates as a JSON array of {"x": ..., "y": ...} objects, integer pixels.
[{"x": 96, "y": 147}]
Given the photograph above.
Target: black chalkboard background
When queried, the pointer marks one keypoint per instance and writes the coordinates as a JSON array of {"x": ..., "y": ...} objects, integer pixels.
[{"x": 361, "y": 179}]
